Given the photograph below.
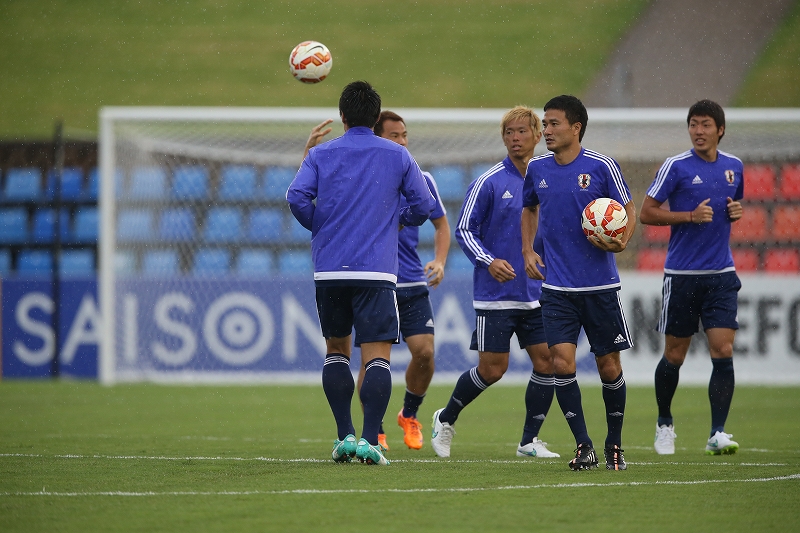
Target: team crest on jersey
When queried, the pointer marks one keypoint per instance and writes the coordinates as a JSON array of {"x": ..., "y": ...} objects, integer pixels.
[
  {"x": 583, "y": 180},
  {"x": 729, "y": 176}
]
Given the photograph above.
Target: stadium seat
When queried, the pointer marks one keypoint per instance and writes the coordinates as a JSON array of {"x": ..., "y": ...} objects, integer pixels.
[
  {"x": 211, "y": 262},
  {"x": 147, "y": 183},
  {"x": 752, "y": 227},
  {"x": 254, "y": 263},
  {"x": 459, "y": 263},
  {"x": 427, "y": 231},
  {"x": 297, "y": 262},
  {"x": 656, "y": 234},
  {"x": 297, "y": 233},
  {"x": 124, "y": 262},
  {"x": 177, "y": 225},
  {"x": 651, "y": 259},
  {"x": 265, "y": 225},
  {"x": 746, "y": 260},
  {"x": 478, "y": 170},
  {"x": 5, "y": 262},
  {"x": 13, "y": 225},
  {"x": 160, "y": 263},
  {"x": 786, "y": 223},
  {"x": 22, "y": 184},
  {"x": 450, "y": 182},
  {"x": 86, "y": 224},
  {"x": 93, "y": 187},
  {"x": 759, "y": 182},
  {"x": 44, "y": 226},
  {"x": 76, "y": 263},
  {"x": 135, "y": 225},
  {"x": 790, "y": 182},
  {"x": 238, "y": 182},
  {"x": 35, "y": 262},
  {"x": 71, "y": 183},
  {"x": 782, "y": 260},
  {"x": 190, "y": 182},
  {"x": 223, "y": 224},
  {"x": 277, "y": 181}
]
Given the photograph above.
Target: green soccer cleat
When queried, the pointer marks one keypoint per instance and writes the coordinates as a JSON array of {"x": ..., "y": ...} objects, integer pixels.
[
  {"x": 344, "y": 450},
  {"x": 369, "y": 454}
]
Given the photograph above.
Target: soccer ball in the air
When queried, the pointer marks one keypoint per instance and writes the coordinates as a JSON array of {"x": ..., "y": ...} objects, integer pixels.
[
  {"x": 310, "y": 62},
  {"x": 604, "y": 217}
]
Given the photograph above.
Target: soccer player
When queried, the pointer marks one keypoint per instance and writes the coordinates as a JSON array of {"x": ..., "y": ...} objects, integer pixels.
[
  {"x": 348, "y": 193},
  {"x": 582, "y": 279},
  {"x": 505, "y": 303},
  {"x": 413, "y": 280},
  {"x": 703, "y": 187}
]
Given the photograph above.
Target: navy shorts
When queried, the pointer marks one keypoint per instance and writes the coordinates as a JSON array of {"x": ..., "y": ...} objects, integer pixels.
[
  {"x": 689, "y": 300},
  {"x": 416, "y": 313},
  {"x": 371, "y": 310},
  {"x": 494, "y": 329},
  {"x": 599, "y": 313}
]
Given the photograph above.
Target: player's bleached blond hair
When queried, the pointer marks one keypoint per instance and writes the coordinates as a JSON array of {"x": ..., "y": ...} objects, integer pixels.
[{"x": 524, "y": 113}]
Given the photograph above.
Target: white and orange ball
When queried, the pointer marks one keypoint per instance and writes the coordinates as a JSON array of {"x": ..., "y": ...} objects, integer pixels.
[
  {"x": 310, "y": 62},
  {"x": 604, "y": 217}
]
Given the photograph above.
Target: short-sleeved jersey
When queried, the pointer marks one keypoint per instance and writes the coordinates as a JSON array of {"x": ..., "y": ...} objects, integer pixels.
[
  {"x": 684, "y": 181},
  {"x": 488, "y": 228},
  {"x": 562, "y": 192},
  {"x": 410, "y": 271}
]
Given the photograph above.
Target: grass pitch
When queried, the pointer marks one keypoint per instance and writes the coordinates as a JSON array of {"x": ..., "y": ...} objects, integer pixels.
[{"x": 80, "y": 457}]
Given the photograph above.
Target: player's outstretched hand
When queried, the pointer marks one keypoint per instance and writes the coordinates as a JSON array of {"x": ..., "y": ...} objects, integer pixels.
[
  {"x": 532, "y": 263},
  {"x": 735, "y": 211},
  {"x": 703, "y": 213},
  {"x": 317, "y": 133},
  {"x": 502, "y": 271},
  {"x": 615, "y": 245},
  {"x": 434, "y": 271}
]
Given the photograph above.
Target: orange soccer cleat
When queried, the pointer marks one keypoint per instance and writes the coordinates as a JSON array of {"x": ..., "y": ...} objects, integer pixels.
[
  {"x": 412, "y": 431},
  {"x": 382, "y": 441}
]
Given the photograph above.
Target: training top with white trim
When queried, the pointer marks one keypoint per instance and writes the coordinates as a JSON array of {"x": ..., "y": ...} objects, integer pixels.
[
  {"x": 685, "y": 180},
  {"x": 562, "y": 192},
  {"x": 410, "y": 272},
  {"x": 348, "y": 192}
]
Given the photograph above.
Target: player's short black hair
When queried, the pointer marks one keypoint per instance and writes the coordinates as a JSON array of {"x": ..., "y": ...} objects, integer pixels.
[
  {"x": 384, "y": 116},
  {"x": 708, "y": 108},
  {"x": 573, "y": 108},
  {"x": 360, "y": 104}
]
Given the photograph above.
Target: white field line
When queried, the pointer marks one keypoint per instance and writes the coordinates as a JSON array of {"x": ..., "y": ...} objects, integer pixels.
[{"x": 401, "y": 491}]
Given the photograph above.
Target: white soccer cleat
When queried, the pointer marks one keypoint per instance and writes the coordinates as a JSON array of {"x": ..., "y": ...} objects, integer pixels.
[
  {"x": 441, "y": 436},
  {"x": 721, "y": 443},
  {"x": 536, "y": 448},
  {"x": 664, "y": 442}
]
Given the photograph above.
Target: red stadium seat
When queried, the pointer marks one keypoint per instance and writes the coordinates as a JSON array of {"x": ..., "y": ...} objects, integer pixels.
[
  {"x": 786, "y": 223},
  {"x": 759, "y": 182},
  {"x": 651, "y": 259},
  {"x": 752, "y": 227},
  {"x": 790, "y": 182},
  {"x": 746, "y": 260},
  {"x": 656, "y": 233},
  {"x": 782, "y": 260}
]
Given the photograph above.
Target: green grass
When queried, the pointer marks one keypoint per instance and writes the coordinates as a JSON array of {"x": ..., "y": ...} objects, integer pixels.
[{"x": 179, "y": 458}]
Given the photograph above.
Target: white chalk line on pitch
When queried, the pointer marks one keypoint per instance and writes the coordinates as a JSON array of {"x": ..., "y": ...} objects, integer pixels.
[{"x": 400, "y": 491}]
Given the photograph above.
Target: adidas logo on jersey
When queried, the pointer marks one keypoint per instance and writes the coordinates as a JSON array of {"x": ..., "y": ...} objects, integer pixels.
[
  {"x": 429, "y": 323},
  {"x": 542, "y": 184},
  {"x": 697, "y": 180},
  {"x": 619, "y": 339},
  {"x": 507, "y": 195}
]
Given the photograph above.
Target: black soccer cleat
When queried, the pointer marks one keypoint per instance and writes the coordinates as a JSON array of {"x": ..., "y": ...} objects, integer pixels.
[
  {"x": 614, "y": 458},
  {"x": 585, "y": 458}
]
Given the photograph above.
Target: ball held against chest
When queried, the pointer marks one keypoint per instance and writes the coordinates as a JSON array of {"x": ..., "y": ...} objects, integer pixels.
[{"x": 604, "y": 217}]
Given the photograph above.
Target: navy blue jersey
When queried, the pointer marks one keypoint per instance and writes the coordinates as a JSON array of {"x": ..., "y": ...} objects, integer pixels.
[
  {"x": 357, "y": 181},
  {"x": 684, "y": 181},
  {"x": 562, "y": 192},
  {"x": 410, "y": 271},
  {"x": 489, "y": 228}
]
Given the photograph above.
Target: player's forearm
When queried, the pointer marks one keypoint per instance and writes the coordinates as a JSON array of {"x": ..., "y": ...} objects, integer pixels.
[
  {"x": 529, "y": 225},
  {"x": 441, "y": 240},
  {"x": 630, "y": 210}
]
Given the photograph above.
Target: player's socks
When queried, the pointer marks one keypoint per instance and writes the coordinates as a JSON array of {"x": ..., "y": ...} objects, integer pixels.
[
  {"x": 720, "y": 392},
  {"x": 666, "y": 380},
  {"x": 614, "y": 395},
  {"x": 411, "y": 403},
  {"x": 338, "y": 384},
  {"x": 538, "y": 398},
  {"x": 568, "y": 394},
  {"x": 375, "y": 392},
  {"x": 468, "y": 387}
]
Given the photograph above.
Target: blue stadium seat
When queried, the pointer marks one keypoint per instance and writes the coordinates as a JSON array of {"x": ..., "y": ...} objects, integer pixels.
[
  {"x": 265, "y": 225},
  {"x": 13, "y": 225},
  {"x": 160, "y": 263},
  {"x": 223, "y": 224},
  {"x": 254, "y": 263},
  {"x": 177, "y": 225},
  {"x": 427, "y": 231},
  {"x": 135, "y": 225},
  {"x": 458, "y": 263},
  {"x": 5, "y": 262},
  {"x": 277, "y": 181},
  {"x": 124, "y": 262},
  {"x": 36, "y": 262},
  {"x": 190, "y": 182},
  {"x": 211, "y": 262},
  {"x": 237, "y": 182},
  {"x": 297, "y": 233},
  {"x": 478, "y": 170},
  {"x": 85, "y": 225},
  {"x": 71, "y": 183},
  {"x": 450, "y": 182},
  {"x": 93, "y": 187},
  {"x": 296, "y": 262},
  {"x": 147, "y": 183},
  {"x": 76, "y": 263},
  {"x": 23, "y": 184},
  {"x": 44, "y": 226}
]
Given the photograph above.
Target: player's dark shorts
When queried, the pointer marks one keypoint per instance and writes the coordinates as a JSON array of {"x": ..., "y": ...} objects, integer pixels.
[
  {"x": 600, "y": 314},
  {"x": 494, "y": 329},
  {"x": 371, "y": 310},
  {"x": 688, "y": 300},
  {"x": 416, "y": 313}
]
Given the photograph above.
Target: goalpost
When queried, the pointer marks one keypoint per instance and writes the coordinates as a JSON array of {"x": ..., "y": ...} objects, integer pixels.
[{"x": 204, "y": 275}]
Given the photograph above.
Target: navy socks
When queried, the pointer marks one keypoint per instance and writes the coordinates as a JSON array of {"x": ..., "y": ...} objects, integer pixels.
[
  {"x": 614, "y": 396},
  {"x": 538, "y": 398},
  {"x": 666, "y": 380},
  {"x": 375, "y": 392},
  {"x": 411, "y": 403},
  {"x": 569, "y": 399},
  {"x": 720, "y": 392},
  {"x": 338, "y": 384},
  {"x": 469, "y": 385}
]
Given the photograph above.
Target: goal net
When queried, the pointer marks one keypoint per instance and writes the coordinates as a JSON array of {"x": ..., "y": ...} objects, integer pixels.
[{"x": 205, "y": 275}]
